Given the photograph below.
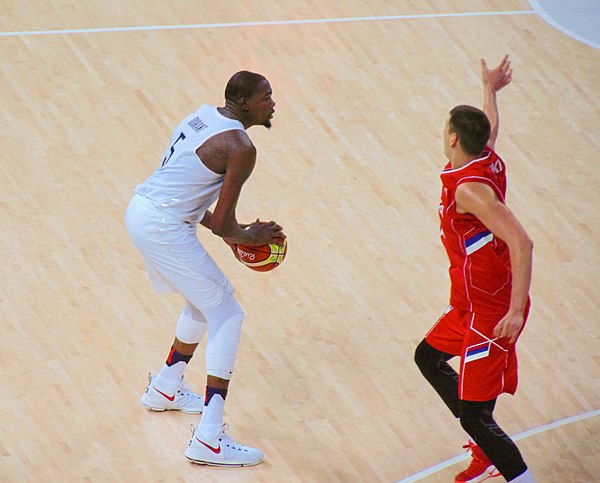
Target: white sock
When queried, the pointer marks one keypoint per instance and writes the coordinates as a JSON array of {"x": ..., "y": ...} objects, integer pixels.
[
  {"x": 169, "y": 377},
  {"x": 212, "y": 417},
  {"x": 523, "y": 478}
]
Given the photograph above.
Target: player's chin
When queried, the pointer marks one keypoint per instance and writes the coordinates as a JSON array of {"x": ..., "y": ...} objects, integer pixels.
[{"x": 268, "y": 124}]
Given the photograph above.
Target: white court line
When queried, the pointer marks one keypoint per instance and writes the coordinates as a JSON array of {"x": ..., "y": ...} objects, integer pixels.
[
  {"x": 264, "y": 23},
  {"x": 525, "y": 434}
]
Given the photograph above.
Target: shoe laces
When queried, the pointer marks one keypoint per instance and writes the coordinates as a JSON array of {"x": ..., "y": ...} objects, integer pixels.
[
  {"x": 228, "y": 440},
  {"x": 476, "y": 452},
  {"x": 478, "y": 464},
  {"x": 193, "y": 430},
  {"x": 186, "y": 388},
  {"x": 469, "y": 447}
]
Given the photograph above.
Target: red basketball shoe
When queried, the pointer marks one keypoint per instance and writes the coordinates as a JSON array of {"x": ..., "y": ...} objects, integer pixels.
[{"x": 480, "y": 469}]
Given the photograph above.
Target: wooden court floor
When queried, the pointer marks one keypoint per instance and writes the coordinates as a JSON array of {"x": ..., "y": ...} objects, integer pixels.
[{"x": 325, "y": 383}]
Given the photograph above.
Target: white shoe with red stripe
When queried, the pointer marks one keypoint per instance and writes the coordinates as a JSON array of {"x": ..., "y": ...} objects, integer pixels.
[
  {"x": 221, "y": 450},
  {"x": 181, "y": 399}
]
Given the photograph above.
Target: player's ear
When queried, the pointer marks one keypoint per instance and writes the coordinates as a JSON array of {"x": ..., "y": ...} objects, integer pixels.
[
  {"x": 243, "y": 104},
  {"x": 453, "y": 139}
]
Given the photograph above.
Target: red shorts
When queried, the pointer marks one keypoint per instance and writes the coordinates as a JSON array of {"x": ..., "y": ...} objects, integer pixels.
[{"x": 488, "y": 366}]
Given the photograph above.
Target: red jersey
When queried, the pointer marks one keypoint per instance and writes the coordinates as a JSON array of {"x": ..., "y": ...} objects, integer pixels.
[{"x": 480, "y": 273}]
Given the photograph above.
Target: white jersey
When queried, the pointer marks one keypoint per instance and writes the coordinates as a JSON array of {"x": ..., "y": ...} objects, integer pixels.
[{"x": 183, "y": 186}]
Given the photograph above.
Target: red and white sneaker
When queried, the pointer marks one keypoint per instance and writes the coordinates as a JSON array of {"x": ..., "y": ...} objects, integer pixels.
[
  {"x": 182, "y": 399},
  {"x": 480, "y": 469},
  {"x": 221, "y": 450}
]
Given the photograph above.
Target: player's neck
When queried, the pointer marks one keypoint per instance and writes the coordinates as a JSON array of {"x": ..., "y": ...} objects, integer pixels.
[
  {"x": 460, "y": 159},
  {"x": 232, "y": 112},
  {"x": 229, "y": 112}
]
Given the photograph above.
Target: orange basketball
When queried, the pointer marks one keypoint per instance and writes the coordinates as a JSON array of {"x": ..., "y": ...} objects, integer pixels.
[{"x": 263, "y": 258}]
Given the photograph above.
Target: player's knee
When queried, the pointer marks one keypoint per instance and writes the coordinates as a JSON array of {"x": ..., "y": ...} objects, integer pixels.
[
  {"x": 191, "y": 325},
  {"x": 470, "y": 423},
  {"x": 238, "y": 311},
  {"x": 476, "y": 416},
  {"x": 228, "y": 308},
  {"x": 425, "y": 357}
]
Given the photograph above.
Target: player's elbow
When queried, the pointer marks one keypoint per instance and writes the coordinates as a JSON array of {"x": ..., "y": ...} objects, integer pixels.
[
  {"x": 493, "y": 136},
  {"x": 527, "y": 244},
  {"x": 522, "y": 244},
  {"x": 216, "y": 225},
  {"x": 218, "y": 230}
]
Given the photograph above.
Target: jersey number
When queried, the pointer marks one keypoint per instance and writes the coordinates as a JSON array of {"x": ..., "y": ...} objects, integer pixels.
[{"x": 166, "y": 158}]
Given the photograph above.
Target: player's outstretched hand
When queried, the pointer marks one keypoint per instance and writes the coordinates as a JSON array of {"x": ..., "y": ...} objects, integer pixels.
[{"x": 498, "y": 77}]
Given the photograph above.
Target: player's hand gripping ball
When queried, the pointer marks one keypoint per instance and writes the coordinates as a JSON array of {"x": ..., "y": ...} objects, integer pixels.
[{"x": 263, "y": 258}]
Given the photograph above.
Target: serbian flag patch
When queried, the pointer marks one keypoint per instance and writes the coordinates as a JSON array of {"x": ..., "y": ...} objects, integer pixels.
[
  {"x": 476, "y": 242},
  {"x": 478, "y": 351}
]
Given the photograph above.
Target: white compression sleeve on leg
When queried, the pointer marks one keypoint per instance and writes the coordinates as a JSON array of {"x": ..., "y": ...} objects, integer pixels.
[
  {"x": 191, "y": 325},
  {"x": 224, "y": 331}
]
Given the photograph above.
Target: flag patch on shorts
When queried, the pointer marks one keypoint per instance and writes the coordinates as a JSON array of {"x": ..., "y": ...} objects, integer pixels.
[
  {"x": 476, "y": 242},
  {"x": 478, "y": 351}
]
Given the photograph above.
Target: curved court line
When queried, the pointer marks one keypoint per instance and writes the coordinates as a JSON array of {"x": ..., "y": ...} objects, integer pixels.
[
  {"x": 263, "y": 23},
  {"x": 525, "y": 434},
  {"x": 550, "y": 20}
]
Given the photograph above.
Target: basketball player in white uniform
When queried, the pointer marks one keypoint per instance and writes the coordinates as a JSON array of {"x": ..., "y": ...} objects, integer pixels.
[{"x": 209, "y": 158}]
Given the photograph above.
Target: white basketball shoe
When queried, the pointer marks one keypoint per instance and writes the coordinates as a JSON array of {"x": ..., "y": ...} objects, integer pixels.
[
  {"x": 221, "y": 450},
  {"x": 182, "y": 399}
]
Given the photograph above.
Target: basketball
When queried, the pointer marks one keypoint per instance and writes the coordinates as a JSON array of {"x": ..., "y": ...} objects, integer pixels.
[{"x": 263, "y": 258}]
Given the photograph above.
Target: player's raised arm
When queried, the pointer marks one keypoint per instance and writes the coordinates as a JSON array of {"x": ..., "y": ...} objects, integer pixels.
[{"x": 494, "y": 80}]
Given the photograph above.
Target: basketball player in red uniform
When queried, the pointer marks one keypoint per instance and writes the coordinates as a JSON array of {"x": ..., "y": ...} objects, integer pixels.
[{"x": 490, "y": 272}]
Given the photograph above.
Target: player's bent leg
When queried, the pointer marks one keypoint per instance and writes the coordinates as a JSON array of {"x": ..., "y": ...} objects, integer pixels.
[
  {"x": 494, "y": 449},
  {"x": 221, "y": 352},
  {"x": 167, "y": 390},
  {"x": 435, "y": 368},
  {"x": 211, "y": 443}
]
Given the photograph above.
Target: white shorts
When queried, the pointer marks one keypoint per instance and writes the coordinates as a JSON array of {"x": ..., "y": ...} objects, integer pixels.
[{"x": 175, "y": 259}]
